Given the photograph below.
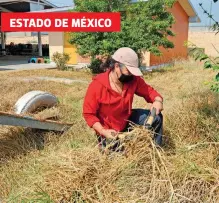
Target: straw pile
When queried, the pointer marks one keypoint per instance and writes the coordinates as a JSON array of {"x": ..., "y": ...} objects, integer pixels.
[{"x": 70, "y": 167}]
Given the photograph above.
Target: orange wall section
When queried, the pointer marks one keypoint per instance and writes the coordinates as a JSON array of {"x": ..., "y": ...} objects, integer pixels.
[{"x": 180, "y": 29}]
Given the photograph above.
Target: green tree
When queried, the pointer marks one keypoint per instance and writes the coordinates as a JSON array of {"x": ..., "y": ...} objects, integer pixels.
[{"x": 145, "y": 26}]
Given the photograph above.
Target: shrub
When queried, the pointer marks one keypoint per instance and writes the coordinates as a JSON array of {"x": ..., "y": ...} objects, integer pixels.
[
  {"x": 95, "y": 66},
  {"x": 61, "y": 60}
]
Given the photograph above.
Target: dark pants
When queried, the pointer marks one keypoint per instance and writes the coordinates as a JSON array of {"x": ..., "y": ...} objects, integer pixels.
[{"x": 139, "y": 117}]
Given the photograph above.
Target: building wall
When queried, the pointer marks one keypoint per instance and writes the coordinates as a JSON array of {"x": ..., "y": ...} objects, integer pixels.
[
  {"x": 19, "y": 34},
  {"x": 56, "y": 42},
  {"x": 180, "y": 28},
  {"x": 25, "y": 34},
  {"x": 75, "y": 58},
  {"x": 26, "y": 40},
  {"x": 70, "y": 49},
  {"x": 81, "y": 59},
  {"x": 205, "y": 40}
]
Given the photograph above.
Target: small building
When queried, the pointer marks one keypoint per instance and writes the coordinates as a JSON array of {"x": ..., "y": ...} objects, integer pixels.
[
  {"x": 22, "y": 6},
  {"x": 184, "y": 13}
]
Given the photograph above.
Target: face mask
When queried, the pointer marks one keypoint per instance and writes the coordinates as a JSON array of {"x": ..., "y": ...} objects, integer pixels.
[{"x": 125, "y": 78}]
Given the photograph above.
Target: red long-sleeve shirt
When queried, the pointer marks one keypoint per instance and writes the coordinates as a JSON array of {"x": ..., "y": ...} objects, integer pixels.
[{"x": 102, "y": 104}]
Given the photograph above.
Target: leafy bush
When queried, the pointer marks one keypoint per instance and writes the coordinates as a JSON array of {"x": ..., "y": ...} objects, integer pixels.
[
  {"x": 95, "y": 66},
  {"x": 61, "y": 60}
]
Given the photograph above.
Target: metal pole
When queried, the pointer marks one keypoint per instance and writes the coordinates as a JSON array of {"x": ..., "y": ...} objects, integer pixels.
[
  {"x": 39, "y": 37},
  {"x": 40, "y": 44},
  {"x": 3, "y": 43}
]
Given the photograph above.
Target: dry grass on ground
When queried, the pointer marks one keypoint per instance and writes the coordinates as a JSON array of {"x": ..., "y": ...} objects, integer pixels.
[{"x": 45, "y": 167}]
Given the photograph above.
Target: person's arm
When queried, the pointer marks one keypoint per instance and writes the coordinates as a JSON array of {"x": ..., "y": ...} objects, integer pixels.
[
  {"x": 149, "y": 94},
  {"x": 98, "y": 127},
  {"x": 90, "y": 107},
  {"x": 159, "y": 99},
  {"x": 158, "y": 104},
  {"x": 107, "y": 133},
  {"x": 146, "y": 91}
]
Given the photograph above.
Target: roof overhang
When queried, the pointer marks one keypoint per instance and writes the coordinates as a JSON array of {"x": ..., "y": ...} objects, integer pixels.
[
  {"x": 61, "y": 9},
  {"x": 190, "y": 10},
  {"x": 22, "y": 5}
]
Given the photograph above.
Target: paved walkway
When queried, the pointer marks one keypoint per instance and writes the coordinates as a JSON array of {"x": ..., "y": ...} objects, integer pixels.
[
  {"x": 53, "y": 79},
  {"x": 21, "y": 63},
  {"x": 29, "y": 66}
]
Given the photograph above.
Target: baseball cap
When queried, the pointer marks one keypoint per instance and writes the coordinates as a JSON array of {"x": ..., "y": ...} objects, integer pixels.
[{"x": 129, "y": 58}]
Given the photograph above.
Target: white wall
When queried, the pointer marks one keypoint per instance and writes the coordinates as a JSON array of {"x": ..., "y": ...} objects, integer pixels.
[
  {"x": 56, "y": 43},
  {"x": 19, "y": 34}
]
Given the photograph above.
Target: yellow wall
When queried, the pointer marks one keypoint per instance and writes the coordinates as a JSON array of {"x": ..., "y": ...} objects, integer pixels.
[{"x": 70, "y": 49}]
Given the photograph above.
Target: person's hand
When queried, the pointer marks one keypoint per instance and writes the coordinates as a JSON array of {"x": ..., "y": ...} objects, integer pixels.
[
  {"x": 158, "y": 106},
  {"x": 109, "y": 133}
]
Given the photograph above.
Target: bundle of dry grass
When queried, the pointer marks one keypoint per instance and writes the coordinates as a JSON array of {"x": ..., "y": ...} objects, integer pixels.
[
  {"x": 95, "y": 177},
  {"x": 145, "y": 174}
]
